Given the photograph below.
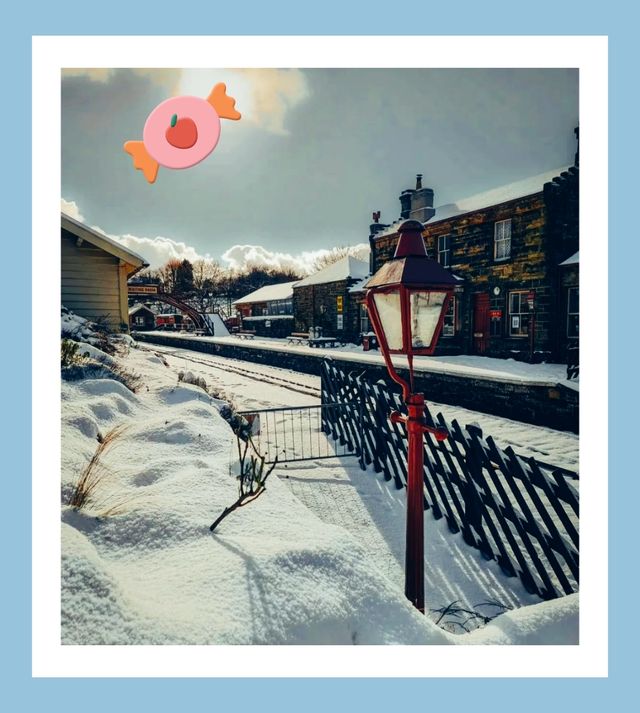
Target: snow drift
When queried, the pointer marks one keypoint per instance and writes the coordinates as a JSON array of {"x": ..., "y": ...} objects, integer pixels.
[{"x": 139, "y": 565}]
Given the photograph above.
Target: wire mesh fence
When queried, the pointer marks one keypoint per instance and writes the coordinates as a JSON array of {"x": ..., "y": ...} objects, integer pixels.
[{"x": 302, "y": 433}]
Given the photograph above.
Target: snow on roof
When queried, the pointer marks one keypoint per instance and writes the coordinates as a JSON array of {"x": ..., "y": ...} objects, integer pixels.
[
  {"x": 494, "y": 196},
  {"x": 573, "y": 260},
  {"x": 281, "y": 291},
  {"x": 347, "y": 267},
  {"x": 101, "y": 240},
  {"x": 137, "y": 308},
  {"x": 359, "y": 285}
]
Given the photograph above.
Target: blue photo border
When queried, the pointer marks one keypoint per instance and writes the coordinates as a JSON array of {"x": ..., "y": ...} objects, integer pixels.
[{"x": 329, "y": 17}]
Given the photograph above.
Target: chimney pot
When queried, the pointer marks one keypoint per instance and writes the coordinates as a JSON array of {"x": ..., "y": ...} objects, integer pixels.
[{"x": 418, "y": 181}]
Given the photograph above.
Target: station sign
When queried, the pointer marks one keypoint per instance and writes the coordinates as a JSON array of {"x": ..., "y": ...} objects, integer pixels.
[{"x": 143, "y": 289}]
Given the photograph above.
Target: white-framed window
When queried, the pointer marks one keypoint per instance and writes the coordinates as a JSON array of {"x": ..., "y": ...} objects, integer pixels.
[
  {"x": 502, "y": 240},
  {"x": 449, "y": 323},
  {"x": 573, "y": 313},
  {"x": 340, "y": 321},
  {"x": 444, "y": 250},
  {"x": 519, "y": 313}
]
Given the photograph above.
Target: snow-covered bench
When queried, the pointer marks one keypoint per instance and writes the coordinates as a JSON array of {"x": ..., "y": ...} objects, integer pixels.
[
  {"x": 298, "y": 338},
  {"x": 325, "y": 342}
]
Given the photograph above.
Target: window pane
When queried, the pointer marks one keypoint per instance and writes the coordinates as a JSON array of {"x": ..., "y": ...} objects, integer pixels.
[
  {"x": 507, "y": 247},
  {"x": 573, "y": 326},
  {"x": 426, "y": 308},
  {"x": 449, "y": 324},
  {"x": 502, "y": 239},
  {"x": 388, "y": 306},
  {"x": 573, "y": 300}
]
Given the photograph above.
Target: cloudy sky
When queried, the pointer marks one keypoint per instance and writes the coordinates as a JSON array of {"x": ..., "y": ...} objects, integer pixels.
[{"x": 315, "y": 152}]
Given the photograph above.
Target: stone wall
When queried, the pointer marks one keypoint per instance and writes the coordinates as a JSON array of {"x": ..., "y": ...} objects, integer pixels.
[{"x": 555, "y": 406}]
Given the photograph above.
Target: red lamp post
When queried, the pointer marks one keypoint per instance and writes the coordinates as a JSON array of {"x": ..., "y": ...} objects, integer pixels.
[{"x": 407, "y": 300}]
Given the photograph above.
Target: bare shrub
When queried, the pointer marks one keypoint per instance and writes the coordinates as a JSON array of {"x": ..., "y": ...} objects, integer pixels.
[
  {"x": 456, "y": 618},
  {"x": 85, "y": 368},
  {"x": 252, "y": 479},
  {"x": 69, "y": 352},
  {"x": 187, "y": 377}
]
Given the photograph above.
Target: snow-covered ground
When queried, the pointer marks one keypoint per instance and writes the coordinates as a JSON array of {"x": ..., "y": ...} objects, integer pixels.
[
  {"x": 140, "y": 566},
  {"x": 546, "y": 444}
]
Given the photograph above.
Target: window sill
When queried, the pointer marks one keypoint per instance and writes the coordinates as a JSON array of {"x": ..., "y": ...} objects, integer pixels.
[{"x": 501, "y": 259}]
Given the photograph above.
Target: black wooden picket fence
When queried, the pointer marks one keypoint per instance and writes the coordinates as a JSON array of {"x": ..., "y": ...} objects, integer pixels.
[{"x": 521, "y": 512}]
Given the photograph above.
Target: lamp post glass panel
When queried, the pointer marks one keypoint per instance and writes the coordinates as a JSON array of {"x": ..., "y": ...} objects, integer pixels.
[{"x": 407, "y": 300}]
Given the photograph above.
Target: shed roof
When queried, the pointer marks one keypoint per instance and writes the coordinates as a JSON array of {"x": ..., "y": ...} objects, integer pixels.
[
  {"x": 269, "y": 293},
  {"x": 100, "y": 240},
  {"x": 347, "y": 267},
  {"x": 137, "y": 307}
]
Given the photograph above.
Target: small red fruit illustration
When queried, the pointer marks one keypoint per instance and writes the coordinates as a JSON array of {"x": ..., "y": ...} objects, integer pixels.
[{"x": 182, "y": 133}]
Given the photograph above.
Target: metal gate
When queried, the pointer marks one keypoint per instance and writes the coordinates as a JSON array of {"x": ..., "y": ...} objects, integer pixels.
[{"x": 302, "y": 433}]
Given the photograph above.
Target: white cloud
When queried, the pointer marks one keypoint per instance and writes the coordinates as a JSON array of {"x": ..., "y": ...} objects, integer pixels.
[
  {"x": 159, "y": 250},
  {"x": 71, "y": 209},
  {"x": 264, "y": 96},
  {"x": 239, "y": 257}
]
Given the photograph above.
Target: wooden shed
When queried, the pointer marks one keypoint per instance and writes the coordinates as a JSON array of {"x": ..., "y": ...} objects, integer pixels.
[
  {"x": 141, "y": 318},
  {"x": 95, "y": 270}
]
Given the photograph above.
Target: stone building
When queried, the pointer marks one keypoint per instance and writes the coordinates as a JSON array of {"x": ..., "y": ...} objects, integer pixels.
[
  {"x": 267, "y": 311},
  {"x": 514, "y": 252},
  {"x": 327, "y": 300}
]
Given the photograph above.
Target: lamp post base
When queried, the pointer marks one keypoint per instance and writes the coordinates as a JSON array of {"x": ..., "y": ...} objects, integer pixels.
[{"x": 414, "y": 564}]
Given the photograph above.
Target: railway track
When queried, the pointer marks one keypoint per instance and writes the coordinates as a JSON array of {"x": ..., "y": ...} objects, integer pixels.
[{"x": 225, "y": 366}]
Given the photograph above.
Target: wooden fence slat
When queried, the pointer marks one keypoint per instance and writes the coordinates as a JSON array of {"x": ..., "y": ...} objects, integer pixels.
[
  {"x": 503, "y": 503},
  {"x": 534, "y": 529},
  {"x": 557, "y": 540},
  {"x": 392, "y": 437},
  {"x": 559, "y": 510},
  {"x": 476, "y": 477}
]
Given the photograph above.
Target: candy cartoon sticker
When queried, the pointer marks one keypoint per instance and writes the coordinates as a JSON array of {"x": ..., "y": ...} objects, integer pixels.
[{"x": 181, "y": 131}]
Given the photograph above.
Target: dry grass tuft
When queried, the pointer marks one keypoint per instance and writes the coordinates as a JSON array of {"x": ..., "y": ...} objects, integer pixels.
[{"x": 95, "y": 471}]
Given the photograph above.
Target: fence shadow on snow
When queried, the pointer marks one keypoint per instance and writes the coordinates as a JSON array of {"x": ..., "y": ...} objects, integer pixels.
[{"x": 516, "y": 510}]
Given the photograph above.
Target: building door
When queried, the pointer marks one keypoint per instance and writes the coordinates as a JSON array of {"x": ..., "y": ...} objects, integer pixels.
[{"x": 480, "y": 322}]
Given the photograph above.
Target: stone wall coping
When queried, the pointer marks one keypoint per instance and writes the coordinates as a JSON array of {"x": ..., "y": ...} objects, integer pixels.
[{"x": 436, "y": 365}]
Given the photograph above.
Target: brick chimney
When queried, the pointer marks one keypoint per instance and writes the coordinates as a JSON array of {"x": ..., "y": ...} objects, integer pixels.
[
  {"x": 421, "y": 202},
  {"x": 375, "y": 228},
  {"x": 417, "y": 203},
  {"x": 405, "y": 203}
]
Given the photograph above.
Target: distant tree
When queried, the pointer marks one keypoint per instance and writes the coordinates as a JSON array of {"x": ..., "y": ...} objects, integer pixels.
[
  {"x": 169, "y": 274},
  {"x": 207, "y": 275},
  {"x": 208, "y": 282},
  {"x": 184, "y": 278},
  {"x": 336, "y": 254}
]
